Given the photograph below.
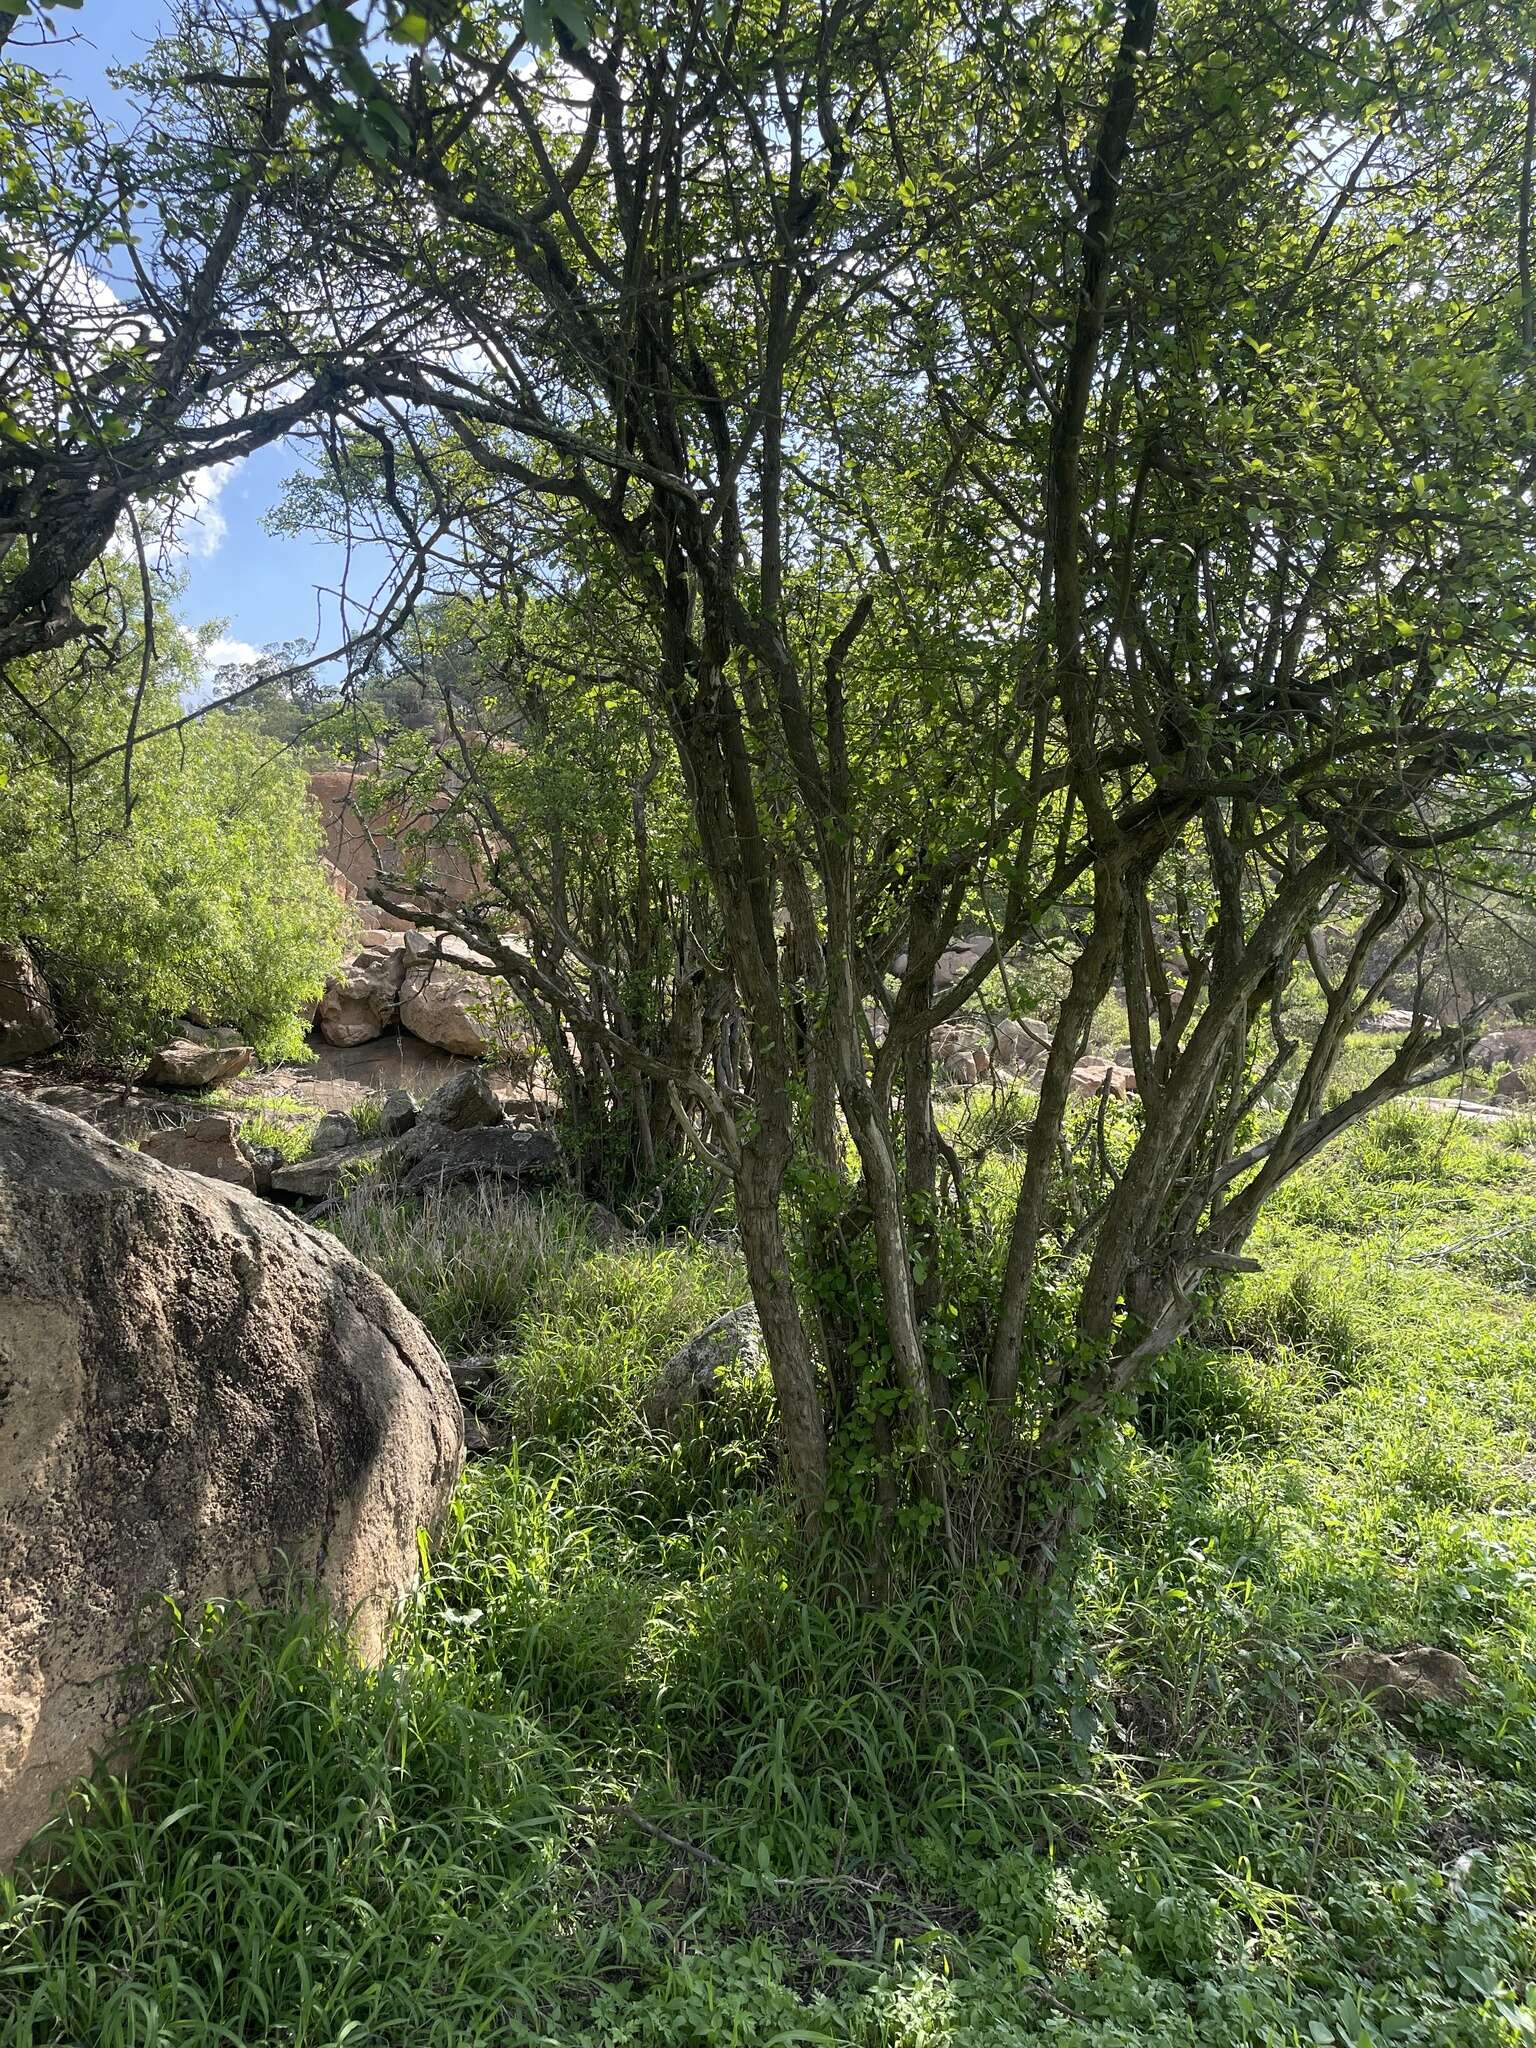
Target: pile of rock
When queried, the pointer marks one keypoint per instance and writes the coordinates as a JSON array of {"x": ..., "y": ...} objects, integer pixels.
[
  {"x": 460, "y": 1133},
  {"x": 971, "y": 1049},
  {"x": 427, "y": 986}
]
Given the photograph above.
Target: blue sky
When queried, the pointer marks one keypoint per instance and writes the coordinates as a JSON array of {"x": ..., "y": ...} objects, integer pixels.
[{"x": 263, "y": 587}]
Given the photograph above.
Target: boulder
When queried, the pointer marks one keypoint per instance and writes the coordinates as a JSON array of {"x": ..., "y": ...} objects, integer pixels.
[
  {"x": 199, "y": 1398},
  {"x": 437, "y": 997},
  {"x": 1094, "y": 1072},
  {"x": 1514, "y": 1045},
  {"x": 398, "y": 1113},
  {"x": 1512, "y": 1087},
  {"x": 430, "y": 1157},
  {"x": 691, "y": 1376},
  {"x": 183, "y": 1063},
  {"x": 958, "y": 1065},
  {"x": 1390, "y": 1020},
  {"x": 1394, "y": 1680},
  {"x": 361, "y": 1004},
  {"x": 27, "y": 1022},
  {"x": 264, "y": 1161},
  {"x": 323, "y": 1173},
  {"x": 464, "y": 1102},
  {"x": 334, "y": 1130},
  {"x": 209, "y": 1145},
  {"x": 1020, "y": 1041}
]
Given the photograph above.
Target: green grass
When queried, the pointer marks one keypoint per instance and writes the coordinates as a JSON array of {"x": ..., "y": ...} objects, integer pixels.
[{"x": 632, "y": 1782}]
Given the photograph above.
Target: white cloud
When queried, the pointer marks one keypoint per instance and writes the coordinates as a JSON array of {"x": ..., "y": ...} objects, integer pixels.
[
  {"x": 215, "y": 657},
  {"x": 201, "y": 526},
  {"x": 222, "y": 652}
]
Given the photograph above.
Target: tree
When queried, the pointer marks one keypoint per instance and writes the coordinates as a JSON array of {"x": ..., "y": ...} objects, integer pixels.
[
  {"x": 205, "y": 898},
  {"x": 1064, "y": 472}
]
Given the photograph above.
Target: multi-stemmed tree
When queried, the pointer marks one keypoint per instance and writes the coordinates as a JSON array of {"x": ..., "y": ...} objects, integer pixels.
[{"x": 1060, "y": 473}]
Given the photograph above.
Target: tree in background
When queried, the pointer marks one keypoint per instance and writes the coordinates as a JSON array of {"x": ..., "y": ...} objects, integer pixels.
[{"x": 196, "y": 889}]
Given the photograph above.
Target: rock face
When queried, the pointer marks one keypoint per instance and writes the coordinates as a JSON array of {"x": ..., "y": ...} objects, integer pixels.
[
  {"x": 196, "y": 1393},
  {"x": 186, "y": 1064},
  {"x": 1394, "y": 1680},
  {"x": 437, "y": 997},
  {"x": 209, "y": 1145},
  {"x": 691, "y": 1375},
  {"x": 361, "y": 1003},
  {"x": 27, "y": 1022}
]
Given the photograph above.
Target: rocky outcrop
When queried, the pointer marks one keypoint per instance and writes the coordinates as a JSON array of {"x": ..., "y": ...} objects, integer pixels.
[
  {"x": 209, "y": 1145},
  {"x": 189, "y": 1063},
  {"x": 198, "y": 1397},
  {"x": 28, "y": 1024},
  {"x": 691, "y": 1376},
  {"x": 355, "y": 850},
  {"x": 361, "y": 1003}
]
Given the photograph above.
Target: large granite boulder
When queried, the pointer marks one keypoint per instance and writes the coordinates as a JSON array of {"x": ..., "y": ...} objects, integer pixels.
[
  {"x": 429, "y": 1156},
  {"x": 361, "y": 1003},
  {"x": 27, "y": 1022},
  {"x": 199, "y": 1397},
  {"x": 440, "y": 998},
  {"x": 188, "y": 1063}
]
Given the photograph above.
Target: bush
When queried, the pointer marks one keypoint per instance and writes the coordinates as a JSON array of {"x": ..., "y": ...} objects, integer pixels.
[{"x": 207, "y": 900}]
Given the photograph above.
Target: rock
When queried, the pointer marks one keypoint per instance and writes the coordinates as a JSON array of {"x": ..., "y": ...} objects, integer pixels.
[
  {"x": 361, "y": 1004},
  {"x": 398, "y": 1113},
  {"x": 197, "y": 1395},
  {"x": 1394, "y": 1680},
  {"x": 437, "y": 998},
  {"x": 958, "y": 1066},
  {"x": 604, "y": 1228},
  {"x": 338, "y": 881},
  {"x": 504, "y": 1153},
  {"x": 474, "y": 1375},
  {"x": 264, "y": 1161},
  {"x": 27, "y": 1022},
  {"x": 323, "y": 1173},
  {"x": 465, "y": 1103},
  {"x": 334, "y": 1130},
  {"x": 960, "y": 958},
  {"x": 691, "y": 1376},
  {"x": 1390, "y": 1020},
  {"x": 209, "y": 1145},
  {"x": 1516, "y": 1044},
  {"x": 1019, "y": 1041},
  {"x": 1094, "y": 1072},
  {"x": 1512, "y": 1087},
  {"x": 186, "y": 1064}
]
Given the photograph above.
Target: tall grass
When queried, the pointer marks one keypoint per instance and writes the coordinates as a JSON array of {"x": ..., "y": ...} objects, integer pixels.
[{"x": 640, "y": 1777}]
